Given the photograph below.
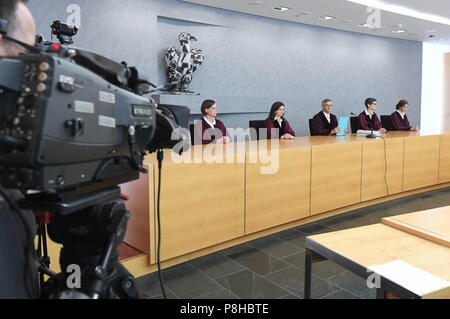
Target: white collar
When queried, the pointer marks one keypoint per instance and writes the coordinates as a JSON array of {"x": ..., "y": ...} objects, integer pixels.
[
  {"x": 327, "y": 116},
  {"x": 367, "y": 113},
  {"x": 279, "y": 120},
  {"x": 402, "y": 114},
  {"x": 209, "y": 123}
]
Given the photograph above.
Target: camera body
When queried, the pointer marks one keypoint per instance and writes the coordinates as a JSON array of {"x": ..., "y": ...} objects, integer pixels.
[
  {"x": 63, "y": 125},
  {"x": 73, "y": 126}
]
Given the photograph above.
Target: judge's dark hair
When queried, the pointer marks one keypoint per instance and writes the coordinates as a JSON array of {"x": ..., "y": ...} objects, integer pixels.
[
  {"x": 400, "y": 104},
  {"x": 8, "y": 12},
  {"x": 369, "y": 101},
  {"x": 206, "y": 105},
  {"x": 274, "y": 108}
]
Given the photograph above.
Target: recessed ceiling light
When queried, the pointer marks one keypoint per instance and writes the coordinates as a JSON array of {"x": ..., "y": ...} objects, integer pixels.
[
  {"x": 280, "y": 8},
  {"x": 326, "y": 18},
  {"x": 305, "y": 13},
  {"x": 256, "y": 3},
  {"x": 431, "y": 31},
  {"x": 399, "y": 31},
  {"x": 347, "y": 21}
]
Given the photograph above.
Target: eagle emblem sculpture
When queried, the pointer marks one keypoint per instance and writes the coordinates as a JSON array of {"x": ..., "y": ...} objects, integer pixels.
[{"x": 182, "y": 62}]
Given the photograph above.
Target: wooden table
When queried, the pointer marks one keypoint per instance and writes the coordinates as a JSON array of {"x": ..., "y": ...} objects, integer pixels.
[
  {"x": 431, "y": 224},
  {"x": 208, "y": 205},
  {"x": 358, "y": 249}
]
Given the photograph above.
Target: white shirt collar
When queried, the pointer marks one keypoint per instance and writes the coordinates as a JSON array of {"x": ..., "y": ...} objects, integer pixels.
[
  {"x": 402, "y": 114},
  {"x": 327, "y": 116},
  {"x": 209, "y": 123},
  {"x": 279, "y": 120},
  {"x": 367, "y": 113}
]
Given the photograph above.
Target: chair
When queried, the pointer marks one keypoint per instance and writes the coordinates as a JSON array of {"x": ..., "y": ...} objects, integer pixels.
[
  {"x": 354, "y": 123},
  {"x": 386, "y": 122},
  {"x": 310, "y": 127},
  {"x": 191, "y": 129},
  {"x": 256, "y": 124}
]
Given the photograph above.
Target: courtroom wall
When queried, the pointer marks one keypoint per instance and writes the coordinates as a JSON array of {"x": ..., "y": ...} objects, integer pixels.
[{"x": 251, "y": 61}]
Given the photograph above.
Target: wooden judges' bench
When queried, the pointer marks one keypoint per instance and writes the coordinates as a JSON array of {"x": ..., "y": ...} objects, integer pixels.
[{"x": 207, "y": 206}]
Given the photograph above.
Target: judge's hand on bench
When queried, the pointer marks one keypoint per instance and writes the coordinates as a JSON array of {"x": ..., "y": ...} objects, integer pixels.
[
  {"x": 224, "y": 140},
  {"x": 287, "y": 136}
]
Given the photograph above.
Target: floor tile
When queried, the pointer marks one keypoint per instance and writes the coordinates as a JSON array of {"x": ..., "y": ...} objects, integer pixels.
[
  {"x": 274, "y": 246},
  {"x": 293, "y": 280},
  {"x": 299, "y": 241},
  {"x": 341, "y": 294},
  {"x": 234, "y": 249},
  {"x": 354, "y": 284},
  {"x": 290, "y": 296},
  {"x": 324, "y": 269},
  {"x": 314, "y": 229},
  {"x": 249, "y": 285},
  {"x": 187, "y": 282},
  {"x": 339, "y": 223},
  {"x": 149, "y": 286},
  {"x": 258, "y": 261},
  {"x": 215, "y": 265},
  {"x": 169, "y": 295},
  {"x": 290, "y": 233},
  {"x": 221, "y": 293}
]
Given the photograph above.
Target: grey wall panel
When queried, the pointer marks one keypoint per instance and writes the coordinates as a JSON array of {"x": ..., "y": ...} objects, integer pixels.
[{"x": 251, "y": 61}]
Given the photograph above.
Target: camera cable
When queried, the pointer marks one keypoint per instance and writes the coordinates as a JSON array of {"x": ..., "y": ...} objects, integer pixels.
[{"x": 160, "y": 157}]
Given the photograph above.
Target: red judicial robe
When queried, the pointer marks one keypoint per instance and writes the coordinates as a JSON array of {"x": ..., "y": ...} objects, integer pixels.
[
  {"x": 284, "y": 129},
  {"x": 365, "y": 122},
  {"x": 399, "y": 123},
  {"x": 211, "y": 134},
  {"x": 321, "y": 126}
]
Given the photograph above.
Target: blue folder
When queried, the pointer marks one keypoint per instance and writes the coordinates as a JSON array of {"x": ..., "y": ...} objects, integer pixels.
[{"x": 343, "y": 122}]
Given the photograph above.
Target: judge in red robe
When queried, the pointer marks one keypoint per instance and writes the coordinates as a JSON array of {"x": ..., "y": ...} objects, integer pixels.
[
  {"x": 276, "y": 121},
  {"x": 368, "y": 119},
  {"x": 324, "y": 123},
  {"x": 209, "y": 129},
  {"x": 399, "y": 119}
]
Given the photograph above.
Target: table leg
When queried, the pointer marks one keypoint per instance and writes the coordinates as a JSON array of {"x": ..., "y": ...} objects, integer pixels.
[{"x": 308, "y": 273}]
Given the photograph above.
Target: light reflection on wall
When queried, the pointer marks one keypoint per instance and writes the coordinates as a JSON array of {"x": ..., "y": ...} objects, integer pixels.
[{"x": 433, "y": 111}]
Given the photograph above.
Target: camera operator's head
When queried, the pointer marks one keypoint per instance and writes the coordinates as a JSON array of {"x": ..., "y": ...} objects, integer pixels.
[{"x": 20, "y": 26}]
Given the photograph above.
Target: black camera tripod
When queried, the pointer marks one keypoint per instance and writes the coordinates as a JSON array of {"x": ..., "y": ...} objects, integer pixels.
[{"x": 90, "y": 226}]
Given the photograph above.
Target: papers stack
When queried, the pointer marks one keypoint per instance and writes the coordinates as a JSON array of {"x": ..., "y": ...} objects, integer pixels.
[{"x": 365, "y": 133}]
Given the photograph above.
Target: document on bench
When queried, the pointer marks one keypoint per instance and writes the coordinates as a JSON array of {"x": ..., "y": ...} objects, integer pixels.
[
  {"x": 412, "y": 278},
  {"x": 367, "y": 132}
]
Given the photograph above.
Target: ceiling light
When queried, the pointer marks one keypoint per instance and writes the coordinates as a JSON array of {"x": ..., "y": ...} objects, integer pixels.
[
  {"x": 255, "y": 3},
  {"x": 281, "y": 9},
  {"x": 399, "y": 31},
  {"x": 305, "y": 13},
  {"x": 326, "y": 18},
  {"x": 402, "y": 10},
  {"x": 347, "y": 21}
]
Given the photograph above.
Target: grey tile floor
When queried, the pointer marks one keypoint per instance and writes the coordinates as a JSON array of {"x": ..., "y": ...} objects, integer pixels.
[{"x": 272, "y": 267}]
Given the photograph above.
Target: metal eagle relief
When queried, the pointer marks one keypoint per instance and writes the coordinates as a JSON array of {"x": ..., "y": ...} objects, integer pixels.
[{"x": 182, "y": 63}]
